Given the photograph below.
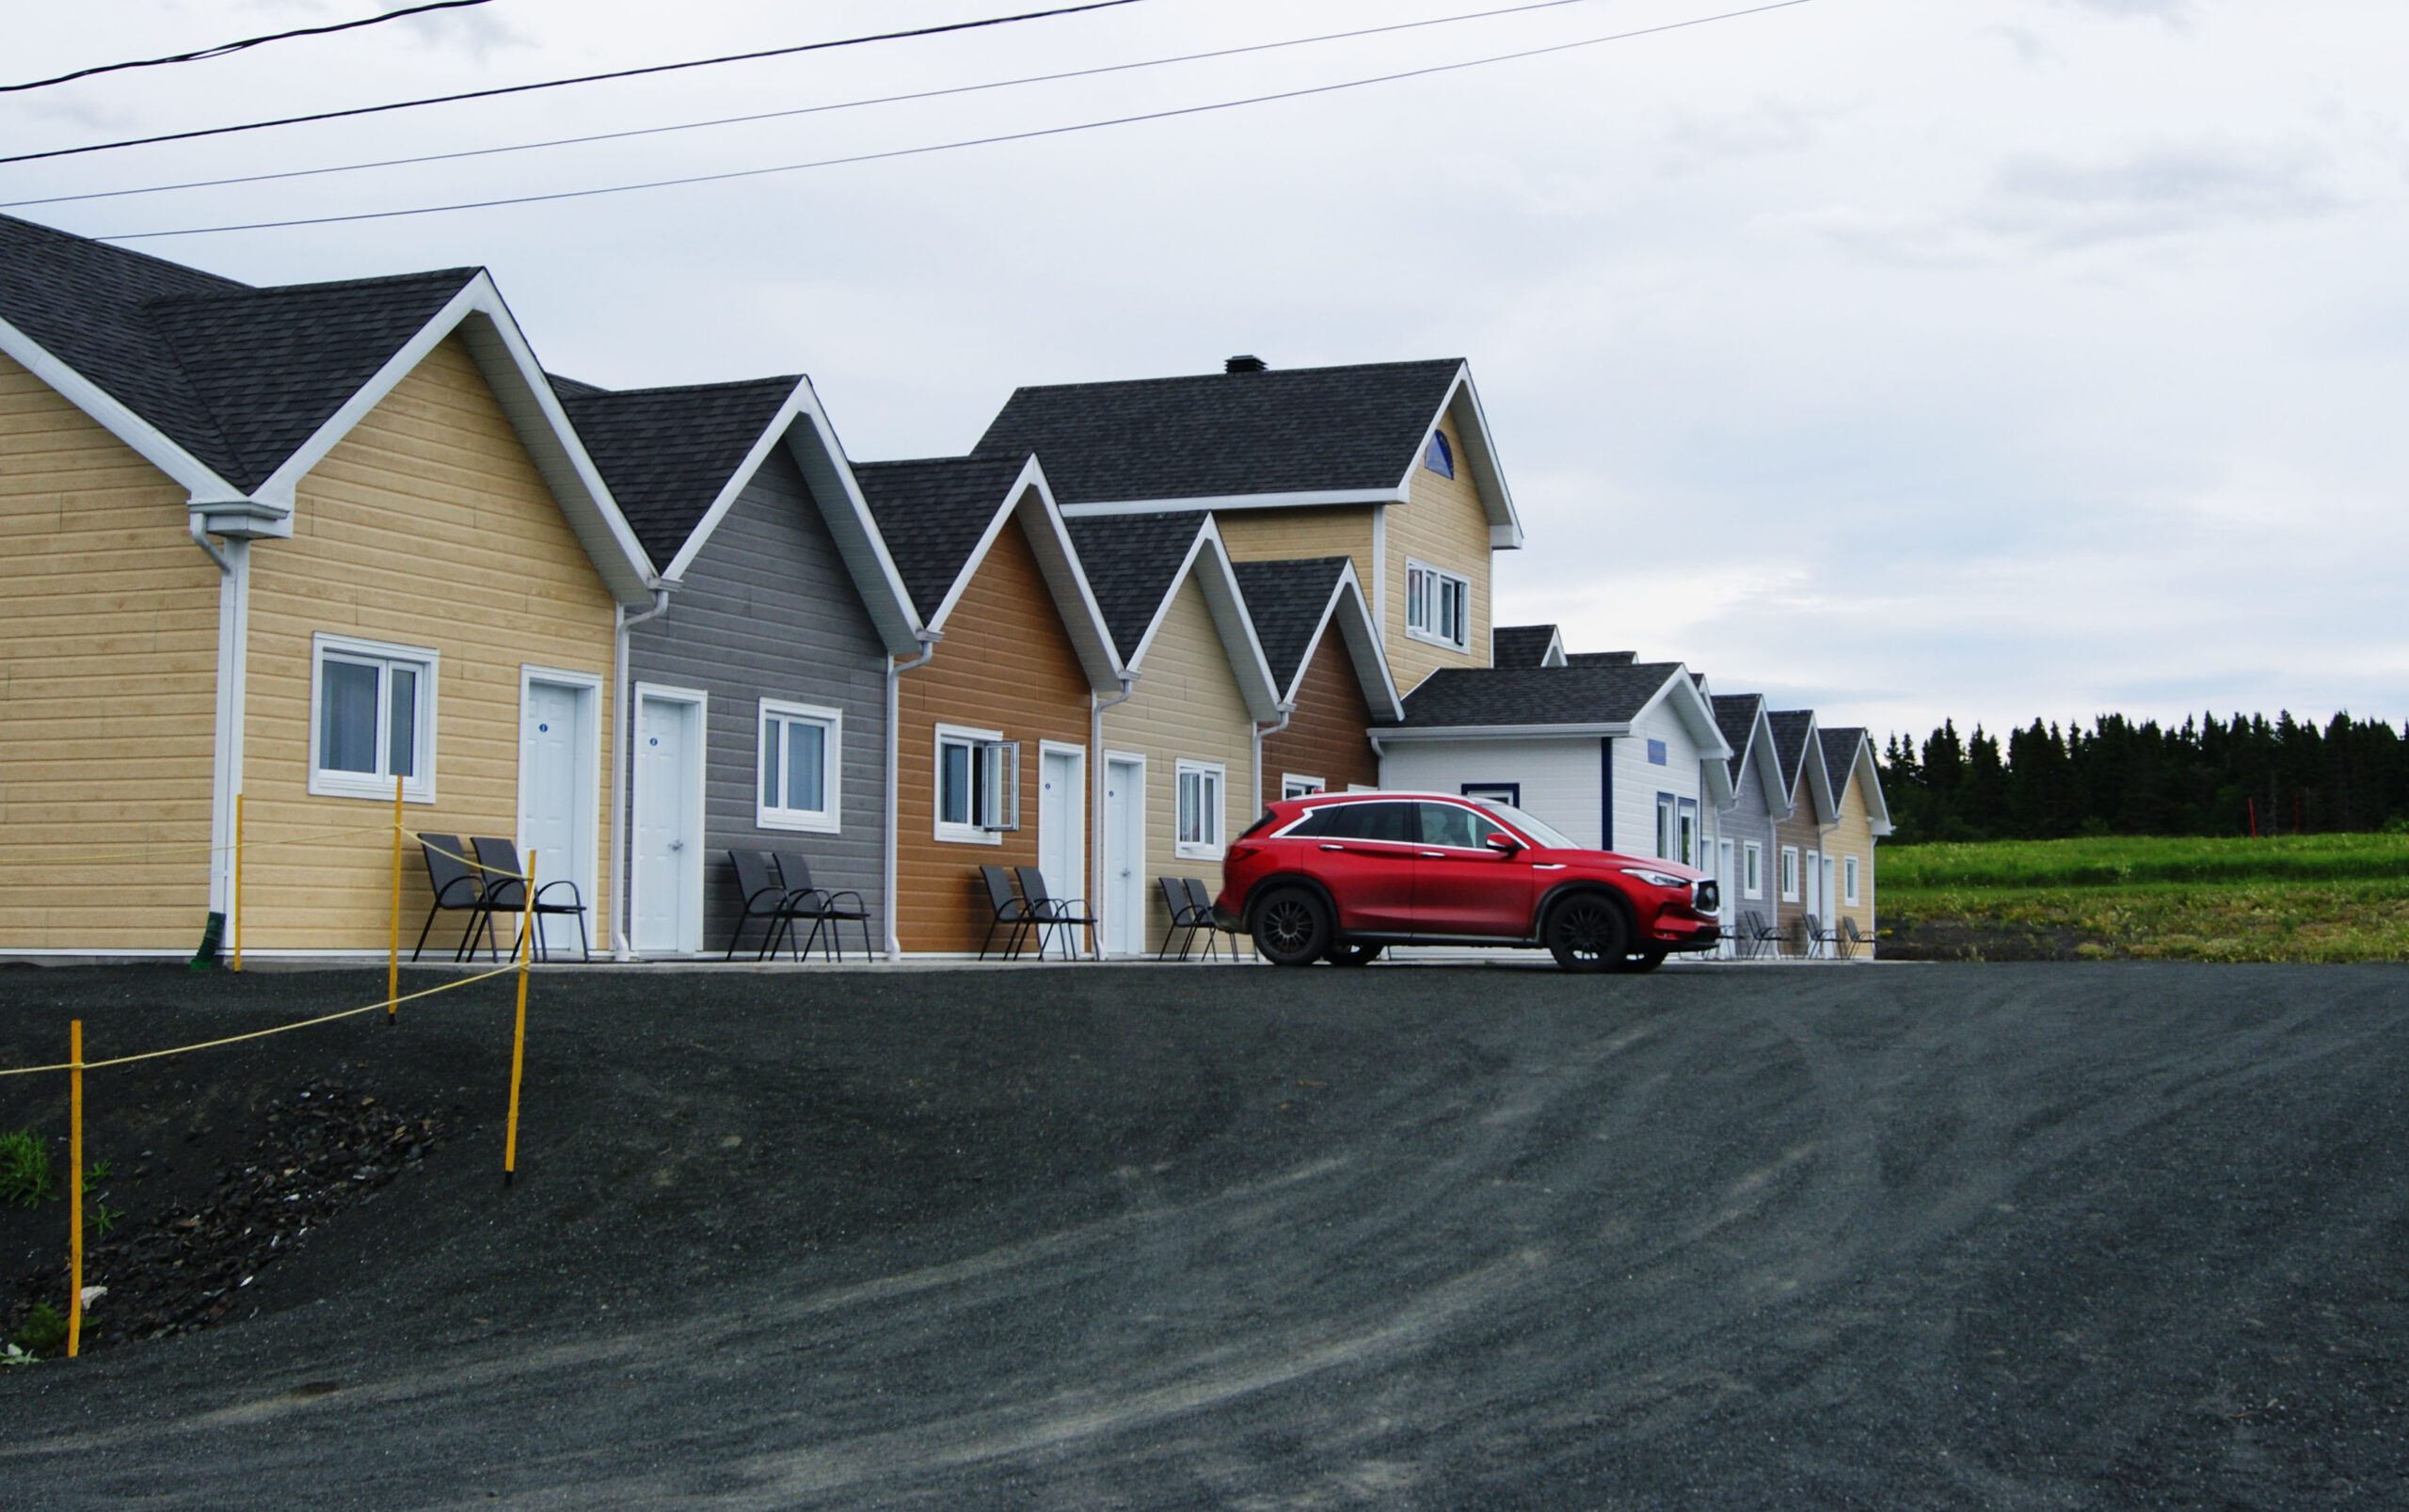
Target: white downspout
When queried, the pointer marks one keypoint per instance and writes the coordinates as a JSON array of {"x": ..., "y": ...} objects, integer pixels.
[
  {"x": 233, "y": 584},
  {"x": 1288, "y": 712},
  {"x": 1095, "y": 794},
  {"x": 895, "y": 671},
  {"x": 622, "y": 919}
]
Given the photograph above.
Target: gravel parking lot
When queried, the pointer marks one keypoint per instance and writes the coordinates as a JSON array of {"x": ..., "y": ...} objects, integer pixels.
[{"x": 1406, "y": 1236}]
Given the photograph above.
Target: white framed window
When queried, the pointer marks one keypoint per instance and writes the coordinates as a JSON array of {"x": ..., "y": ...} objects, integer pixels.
[
  {"x": 1292, "y": 785},
  {"x": 371, "y": 719},
  {"x": 1752, "y": 869},
  {"x": 1438, "y": 605},
  {"x": 1665, "y": 836},
  {"x": 978, "y": 781},
  {"x": 1685, "y": 832},
  {"x": 803, "y": 757},
  {"x": 1790, "y": 873},
  {"x": 1198, "y": 832},
  {"x": 1848, "y": 881}
]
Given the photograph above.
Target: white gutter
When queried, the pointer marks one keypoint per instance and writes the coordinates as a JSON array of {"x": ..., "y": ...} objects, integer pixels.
[
  {"x": 1095, "y": 794},
  {"x": 895, "y": 671},
  {"x": 621, "y": 921},
  {"x": 1288, "y": 712}
]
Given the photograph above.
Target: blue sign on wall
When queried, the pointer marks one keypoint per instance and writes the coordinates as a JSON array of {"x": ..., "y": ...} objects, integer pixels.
[{"x": 1656, "y": 753}]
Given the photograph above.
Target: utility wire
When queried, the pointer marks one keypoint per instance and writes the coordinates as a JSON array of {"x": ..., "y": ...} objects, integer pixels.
[
  {"x": 222, "y": 49},
  {"x": 802, "y": 110},
  {"x": 975, "y": 141},
  {"x": 559, "y": 84}
]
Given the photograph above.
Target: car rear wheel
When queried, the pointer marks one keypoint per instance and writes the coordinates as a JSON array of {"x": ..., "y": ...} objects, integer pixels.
[
  {"x": 1641, "y": 961},
  {"x": 1292, "y": 929},
  {"x": 1353, "y": 955},
  {"x": 1585, "y": 933}
]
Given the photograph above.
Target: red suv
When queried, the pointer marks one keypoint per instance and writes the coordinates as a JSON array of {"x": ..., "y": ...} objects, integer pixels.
[{"x": 1337, "y": 877}]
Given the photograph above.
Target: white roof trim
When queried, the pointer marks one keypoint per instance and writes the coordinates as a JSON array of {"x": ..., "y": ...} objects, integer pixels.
[
  {"x": 1363, "y": 647},
  {"x": 1462, "y": 403},
  {"x": 1058, "y": 559},
  {"x": 1303, "y": 499},
  {"x": 501, "y": 350},
  {"x": 1696, "y": 712},
  {"x": 805, "y": 429},
  {"x": 1867, "y": 771},
  {"x": 1811, "y": 767},
  {"x": 147, "y": 439},
  {"x": 1231, "y": 622},
  {"x": 1502, "y": 732}
]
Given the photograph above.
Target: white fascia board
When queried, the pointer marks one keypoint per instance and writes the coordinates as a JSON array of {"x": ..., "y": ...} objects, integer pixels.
[
  {"x": 1058, "y": 559},
  {"x": 1162, "y": 610},
  {"x": 804, "y": 427},
  {"x": 525, "y": 394},
  {"x": 147, "y": 439},
  {"x": 1463, "y": 401},
  {"x": 1869, "y": 778},
  {"x": 1552, "y": 657},
  {"x": 1363, "y": 636},
  {"x": 1308, "y": 500},
  {"x": 1693, "y": 710},
  {"x": 1766, "y": 764},
  {"x": 1224, "y": 600},
  {"x": 1503, "y": 732}
]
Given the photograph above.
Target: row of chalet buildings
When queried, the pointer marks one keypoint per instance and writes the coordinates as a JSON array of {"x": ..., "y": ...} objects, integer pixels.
[{"x": 301, "y": 543}]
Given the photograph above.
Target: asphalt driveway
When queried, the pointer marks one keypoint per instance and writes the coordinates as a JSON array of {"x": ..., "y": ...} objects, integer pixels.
[{"x": 1984, "y": 1236}]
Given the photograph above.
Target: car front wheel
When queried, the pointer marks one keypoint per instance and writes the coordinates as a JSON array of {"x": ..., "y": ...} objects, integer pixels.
[
  {"x": 1585, "y": 933},
  {"x": 1292, "y": 929}
]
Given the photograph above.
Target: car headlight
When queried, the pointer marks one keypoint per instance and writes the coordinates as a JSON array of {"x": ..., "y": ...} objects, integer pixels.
[{"x": 1658, "y": 879}]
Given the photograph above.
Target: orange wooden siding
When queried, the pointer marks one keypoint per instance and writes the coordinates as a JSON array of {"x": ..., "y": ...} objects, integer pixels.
[{"x": 1325, "y": 734}]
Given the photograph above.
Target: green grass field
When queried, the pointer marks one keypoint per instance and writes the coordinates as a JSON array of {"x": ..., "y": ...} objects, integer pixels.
[{"x": 2306, "y": 898}]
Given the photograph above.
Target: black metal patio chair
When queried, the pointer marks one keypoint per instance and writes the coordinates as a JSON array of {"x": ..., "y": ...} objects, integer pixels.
[
  {"x": 1053, "y": 916},
  {"x": 1183, "y": 916},
  {"x": 505, "y": 893},
  {"x": 825, "y": 908},
  {"x": 1756, "y": 938},
  {"x": 766, "y": 898},
  {"x": 1012, "y": 913},
  {"x": 457, "y": 886},
  {"x": 1847, "y": 940},
  {"x": 1811, "y": 937},
  {"x": 1201, "y": 898}
]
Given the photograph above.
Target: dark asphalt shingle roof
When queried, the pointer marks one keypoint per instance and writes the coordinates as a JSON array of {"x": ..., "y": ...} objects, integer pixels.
[
  {"x": 1590, "y": 694},
  {"x": 1840, "y": 754},
  {"x": 666, "y": 453},
  {"x": 1212, "y": 435},
  {"x": 1735, "y": 715},
  {"x": 1790, "y": 743},
  {"x": 1131, "y": 560},
  {"x": 1520, "y": 645},
  {"x": 1285, "y": 601},
  {"x": 238, "y": 376},
  {"x": 1602, "y": 659},
  {"x": 932, "y": 512}
]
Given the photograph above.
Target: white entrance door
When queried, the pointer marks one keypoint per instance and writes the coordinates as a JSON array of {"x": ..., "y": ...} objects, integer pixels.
[
  {"x": 557, "y": 797},
  {"x": 666, "y": 863},
  {"x": 1814, "y": 904},
  {"x": 1123, "y": 903},
  {"x": 1061, "y": 820},
  {"x": 1727, "y": 880}
]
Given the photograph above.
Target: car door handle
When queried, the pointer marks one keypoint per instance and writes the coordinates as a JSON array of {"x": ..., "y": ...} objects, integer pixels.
[
  {"x": 1334, "y": 847},
  {"x": 1548, "y": 865},
  {"x": 1432, "y": 855}
]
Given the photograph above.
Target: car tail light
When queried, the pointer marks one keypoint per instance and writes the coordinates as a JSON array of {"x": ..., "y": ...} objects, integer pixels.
[{"x": 1242, "y": 851}]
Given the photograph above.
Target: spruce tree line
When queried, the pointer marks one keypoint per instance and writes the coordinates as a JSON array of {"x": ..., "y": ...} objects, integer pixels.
[{"x": 2209, "y": 776}]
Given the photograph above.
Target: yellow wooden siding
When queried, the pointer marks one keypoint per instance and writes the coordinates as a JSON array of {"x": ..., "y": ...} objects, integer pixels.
[
  {"x": 1280, "y": 534},
  {"x": 428, "y": 527},
  {"x": 1852, "y": 834},
  {"x": 1447, "y": 526},
  {"x": 108, "y": 659},
  {"x": 1187, "y": 706}
]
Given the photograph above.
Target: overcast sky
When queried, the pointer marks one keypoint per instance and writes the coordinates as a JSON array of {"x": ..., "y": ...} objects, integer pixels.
[{"x": 1995, "y": 358}]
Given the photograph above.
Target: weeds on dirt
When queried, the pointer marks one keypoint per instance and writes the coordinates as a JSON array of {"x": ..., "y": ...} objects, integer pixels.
[
  {"x": 25, "y": 1178},
  {"x": 42, "y": 1332},
  {"x": 2260, "y": 919}
]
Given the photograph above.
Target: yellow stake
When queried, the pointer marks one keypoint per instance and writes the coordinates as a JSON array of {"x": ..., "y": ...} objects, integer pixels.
[
  {"x": 393, "y": 942},
  {"x": 519, "y": 1036},
  {"x": 75, "y": 1186},
  {"x": 238, "y": 882}
]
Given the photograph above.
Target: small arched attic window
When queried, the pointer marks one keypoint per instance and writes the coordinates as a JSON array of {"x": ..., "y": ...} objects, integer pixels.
[{"x": 1438, "y": 456}]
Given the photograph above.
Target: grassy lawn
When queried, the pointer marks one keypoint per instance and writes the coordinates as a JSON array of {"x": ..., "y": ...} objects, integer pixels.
[{"x": 2306, "y": 898}]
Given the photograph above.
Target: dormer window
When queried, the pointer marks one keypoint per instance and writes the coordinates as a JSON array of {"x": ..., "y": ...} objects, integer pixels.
[{"x": 1438, "y": 456}]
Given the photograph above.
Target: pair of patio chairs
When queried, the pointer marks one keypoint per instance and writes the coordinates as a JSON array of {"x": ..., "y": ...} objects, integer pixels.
[
  {"x": 777, "y": 888},
  {"x": 483, "y": 879},
  {"x": 1843, "y": 941},
  {"x": 1030, "y": 910},
  {"x": 1189, "y": 903}
]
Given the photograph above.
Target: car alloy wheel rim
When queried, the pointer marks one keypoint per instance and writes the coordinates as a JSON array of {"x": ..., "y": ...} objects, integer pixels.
[
  {"x": 1289, "y": 925},
  {"x": 1582, "y": 929}
]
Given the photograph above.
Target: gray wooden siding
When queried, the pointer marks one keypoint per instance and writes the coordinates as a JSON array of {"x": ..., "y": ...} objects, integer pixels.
[
  {"x": 1746, "y": 821},
  {"x": 768, "y": 611}
]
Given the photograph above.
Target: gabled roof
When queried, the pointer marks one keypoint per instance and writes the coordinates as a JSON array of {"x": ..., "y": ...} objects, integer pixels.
[
  {"x": 1736, "y": 715},
  {"x": 236, "y": 392},
  {"x": 677, "y": 458},
  {"x": 1526, "y": 645},
  {"x": 1802, "y": 757},
  {"x": 1251, "y": 439},
  {"x": 1137, "y": 564},
  {"x": 1749, "y": 732},
  {"x": 1849, "y": 751},
  {"x": 1293, "y": 603},
  {"x": 1602, "y": 659},
  {"x": 938, "y": 516}
]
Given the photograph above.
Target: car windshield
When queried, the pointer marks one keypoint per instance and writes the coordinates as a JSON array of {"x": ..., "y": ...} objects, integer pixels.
[{"x": 1548, "y": 835}]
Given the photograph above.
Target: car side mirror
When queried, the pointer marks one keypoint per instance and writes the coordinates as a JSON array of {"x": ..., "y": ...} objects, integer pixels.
[{"x": 1501, "y": 842}]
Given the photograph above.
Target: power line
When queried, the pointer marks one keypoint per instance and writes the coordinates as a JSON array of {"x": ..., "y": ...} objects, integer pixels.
[
  {"x": 781, "y": 115},
  {"x": 561, "y": 83},
  {"x": 222, "y": 49},
  {"x": 975, "y": 141}
]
